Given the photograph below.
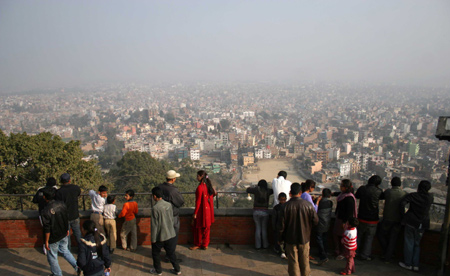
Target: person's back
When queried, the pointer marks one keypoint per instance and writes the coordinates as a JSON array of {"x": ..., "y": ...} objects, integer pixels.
[
  {"x": 162, "y": 222},
  {"x": 418, "y": 215},
  {"x": 69, "y": 194},
  {"x": 55, "y": 220},
  {"x": 392, "y": 198},
  {"x": 280, "y": 185},
  {"x": 324, "y": 211},
  {"x": 298, "y": 219},
  {"x": 369, "y": 197}
]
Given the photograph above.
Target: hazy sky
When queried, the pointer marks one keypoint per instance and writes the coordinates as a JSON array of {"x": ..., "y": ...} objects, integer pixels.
[{"x": 50, "y": 44}]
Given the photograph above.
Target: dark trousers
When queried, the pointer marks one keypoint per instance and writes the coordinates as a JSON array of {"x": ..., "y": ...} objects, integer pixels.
[
  {"x": 366, "y": 233},
  {"x": 280, "y": 248},
  {"x": 387, "y": 234},
  {"x": 169, "y": 246},
  {"x": 321, "y": 239}
]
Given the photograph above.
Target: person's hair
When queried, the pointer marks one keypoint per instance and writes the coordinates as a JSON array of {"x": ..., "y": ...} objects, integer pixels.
[
  {"x": 102, "y": 188},
  {"x": 49, "y": 193},
  {"x": 396, "y": 181},
  {"x": 354, "y": 222},
  {"x": 283, "y": 174},
  {"x": 158, "y": 192},
  {"x": 348, "y": 185},
  {"x": 281, "y": 195},
  {"x": 205, "y": 179},
  {"x": 424, "y": 187},
  {"x": 326, "y": 192},
  {"x": 168, "y": 179},
  {"x": 262, "y": 184},
  {"x": 89, "y": 227},
  {"x": 51, "y": 181},
  {"x": 295, "y": 188},
  {"x": 130, "y": 192},
  {"x": 309, "y": 183},
  {"x": 110, "y": 199},
  {"x": 375, "y": 180}
]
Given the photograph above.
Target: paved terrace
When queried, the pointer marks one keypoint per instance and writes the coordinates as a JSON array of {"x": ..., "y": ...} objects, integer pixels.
[{"x": 217, "y": 260}]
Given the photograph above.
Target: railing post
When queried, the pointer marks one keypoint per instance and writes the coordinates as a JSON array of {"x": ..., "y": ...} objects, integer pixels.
[
  {"x": 217, "y": 200},
  {"x": 84, "y": 203},
  {"x": 21, "y": 204},
  {"x": 151, "y": 201}
]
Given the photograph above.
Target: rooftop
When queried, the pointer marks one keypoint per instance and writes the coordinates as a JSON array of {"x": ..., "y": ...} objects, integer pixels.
[{"x": 217, "y": 260}]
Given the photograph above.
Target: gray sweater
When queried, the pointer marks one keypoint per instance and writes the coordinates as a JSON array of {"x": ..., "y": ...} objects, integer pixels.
[{"x": 162, "y": 222}]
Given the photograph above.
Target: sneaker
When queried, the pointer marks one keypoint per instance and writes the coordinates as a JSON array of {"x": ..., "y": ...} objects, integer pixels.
[
  {"x": 415, "y": 268},
  {"x": 321, "y": 262},
  {"x": 111, "y": 251},
  {"x": 173, "y": 271},
  {"x": 283, "y": 256},
  {"x": 402, "y": 264},
  {"x": 154, "y": 272},
  {"x": 340, "y": 257}
]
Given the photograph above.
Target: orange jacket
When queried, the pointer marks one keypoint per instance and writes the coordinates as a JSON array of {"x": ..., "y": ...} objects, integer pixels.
[{"x": 129, "y": 210}]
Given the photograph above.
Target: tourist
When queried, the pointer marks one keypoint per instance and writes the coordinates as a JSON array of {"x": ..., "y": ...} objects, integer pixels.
[
  {"x": 368, "y": 214},
  {"x": 307, "y": 188},
  {"x": 280, "y": 185},
  {"x": 324, "y": 213},
  {"x": 297, "y": 219},
  {"x": 276, "y": 218},
  {"x": 416, "y": 221},
  {"x": 390, "y": 226},
  {"x": 349, "y": 241},
  {"x": 93, "y": 254},
  {"x": 129, "y": 212},
  {"x": 204, "y": 211},
  {"x": 98, "y": 205},
  {"x": 345, "y": 209},
  {"x": 261, "y": 212},
  {"x": 162, "y": 233},
  {"x": 41, "y": 202},
  {"x": 173, "y": 196},
  {"x": 56, "y": 228},
  {"x": 109, "y": 214},
  {"x": 69, "y": 193}
]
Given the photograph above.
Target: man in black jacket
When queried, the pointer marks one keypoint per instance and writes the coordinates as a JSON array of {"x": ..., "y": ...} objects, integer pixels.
[
  {"x": 56, "y": 228},
  {"x": 297, "y": 219},
  {"x": 69, "y": 193},
  {"x": 368, "y": 215}
]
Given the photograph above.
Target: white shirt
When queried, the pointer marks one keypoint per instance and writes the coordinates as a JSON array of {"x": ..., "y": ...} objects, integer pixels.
[
  {"x": 109, "y": 211},
  {"x": 98, "y": 202},
  {"x": 280, "y": 185}
]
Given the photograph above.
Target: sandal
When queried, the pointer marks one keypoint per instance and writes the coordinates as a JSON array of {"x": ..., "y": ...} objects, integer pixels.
[
  {"x": 194, "y": 247},
  {"x": 343, "y": 273}
]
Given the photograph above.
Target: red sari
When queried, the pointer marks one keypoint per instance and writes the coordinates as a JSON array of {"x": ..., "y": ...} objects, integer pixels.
[{"x": 204, "y": 211}]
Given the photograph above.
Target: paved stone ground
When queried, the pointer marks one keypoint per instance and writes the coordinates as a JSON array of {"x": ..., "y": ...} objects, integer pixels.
[{"x": 217, "y": 260}]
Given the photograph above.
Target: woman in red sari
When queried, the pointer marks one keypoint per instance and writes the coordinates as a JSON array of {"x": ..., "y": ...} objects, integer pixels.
[{"x": 204, "y": 211}]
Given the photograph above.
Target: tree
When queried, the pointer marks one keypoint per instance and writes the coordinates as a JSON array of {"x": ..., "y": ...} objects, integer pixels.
[{"x": 27, "y": 161}]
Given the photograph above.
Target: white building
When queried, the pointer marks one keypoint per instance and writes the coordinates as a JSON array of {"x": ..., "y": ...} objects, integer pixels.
[
  {"x": 195, "y": 154},
  {"x": 345, "y": 168}
]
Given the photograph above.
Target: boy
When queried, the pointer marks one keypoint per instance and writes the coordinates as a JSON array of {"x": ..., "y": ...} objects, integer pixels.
[
  {"x": 308, "y": 187},
  {"x": 279, "y": 248},
  {"x": 163, "y": 233},
  {"x": 109, "y": 212},
  {"x": 98, "y": 204},
  {"x": 324, "y": 213},
  {"x": 129, "y": 211},
  {"x": 350, "y": 245}
]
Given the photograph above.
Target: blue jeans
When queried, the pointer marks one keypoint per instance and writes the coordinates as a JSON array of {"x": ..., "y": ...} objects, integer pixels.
[
  {"x": 321, "y": 239},
  {"x": 411, "y": 250},
  {"x": 366, "y": 233},
  {"x": 261, "y": 218},
  {"x": 75, "y": 226},
  {"x": 52, "y": 256}
]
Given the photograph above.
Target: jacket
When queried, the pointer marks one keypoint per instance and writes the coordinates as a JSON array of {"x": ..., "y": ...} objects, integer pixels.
[
  {"x": 392, "y": 198},
  {"x": 297, "y": 219},
  {"x": 39, "y": 197},
  {"x": 261, "y": 198},
  {"x": 418, "y": 215},
  {"x": 129, "y": 210},
  {"x": 276, "y": 216},
  {"x": 324, "y": 213},
  {"x": 172, "y": 195},
  {"x": 88, "y": 259},
  {"x": 55, "y": 220},
  {"x": 369, "y": 198},
  {"x": 162, "y": 222},
  {"x": 69, "y": 195},
  {"x": 345, "y": 209}
]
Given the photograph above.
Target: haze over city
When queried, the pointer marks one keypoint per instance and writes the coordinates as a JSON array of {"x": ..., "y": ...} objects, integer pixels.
[{"x": 57, "y": 44}]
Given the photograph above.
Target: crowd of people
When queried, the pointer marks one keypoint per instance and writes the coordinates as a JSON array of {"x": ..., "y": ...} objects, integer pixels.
[{"x": 296, "y": 216}]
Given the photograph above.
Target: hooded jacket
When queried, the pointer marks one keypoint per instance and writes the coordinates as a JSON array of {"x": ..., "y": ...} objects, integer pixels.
[{"x": 88, "y": 259}]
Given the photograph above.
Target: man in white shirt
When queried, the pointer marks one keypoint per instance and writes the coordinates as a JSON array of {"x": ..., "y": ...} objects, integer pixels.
[
  {"x": 98, "y": 204},
  {"x": 280, "y": 185}
]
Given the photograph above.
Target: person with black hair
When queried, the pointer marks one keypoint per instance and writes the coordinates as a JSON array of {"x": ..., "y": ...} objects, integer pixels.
[
  {"x": 98, "y": 204},
  {"x": 276, "y": 218},
  {"x": 110, "y": 214},
  {"x": 324, "y": 210},
  {"x": 308, "y": 187},
  {"x": 56, "y": 228},
  {"x": 280, "y": 184},
  {"x": 261, "y": 212},
  {"x": 416, "y": 221},
  {"x": 93, "y": 254},
  {"x": 390, "y": 226},
  {"x": 129, "y": 212},
  {"x": 297, "y": 219},
  {"x": 41, "y": 202},
  {"x": 163, "y": 234},
  {"x": 204, "y": 211}
]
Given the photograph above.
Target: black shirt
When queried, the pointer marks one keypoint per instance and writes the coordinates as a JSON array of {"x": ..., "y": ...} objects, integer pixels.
[
  {"x": 54, "y": 219},
  {"x": 172, "y": 195},
  {"x": 69, "y": 195},
  {"x": 39, "y": 198}
]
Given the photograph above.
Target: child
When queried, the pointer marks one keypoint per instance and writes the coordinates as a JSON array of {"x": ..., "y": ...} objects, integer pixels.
[
  {"x": 324, "y": 213},
  {"x": 93, "y": 254},
  {"x": 129, "y": 211},
  {"x": 279, "y": 248},
  {"x": 163, "y": 233},
  {"x": 98, "y": 204},
  {"x": 349, "y": 242},
  {"x": 109, "y": 213}
]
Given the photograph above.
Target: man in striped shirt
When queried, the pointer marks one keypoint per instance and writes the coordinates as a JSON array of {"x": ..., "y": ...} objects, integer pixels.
[{"x": 350, "y": 245}]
